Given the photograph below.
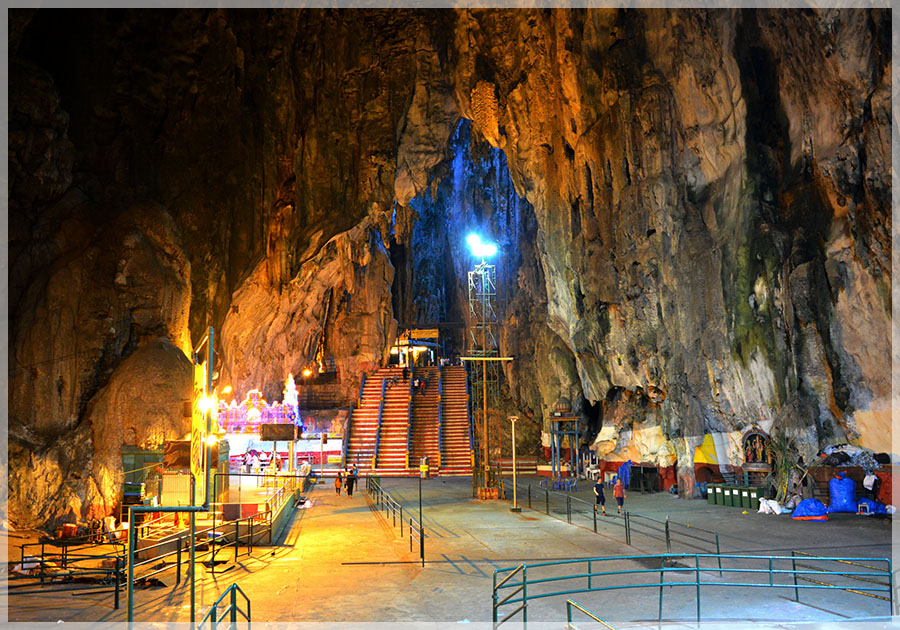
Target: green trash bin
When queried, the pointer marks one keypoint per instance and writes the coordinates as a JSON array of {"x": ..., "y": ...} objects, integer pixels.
[
  {"x": 726, "y": 495},
  {"x": 745, "y": 496},
  {"x": 733, "y": 498},
  {"x": 711, "y": 493},
  {"x": 757, "y": 493},
  {"x": 720, "y": 496}
]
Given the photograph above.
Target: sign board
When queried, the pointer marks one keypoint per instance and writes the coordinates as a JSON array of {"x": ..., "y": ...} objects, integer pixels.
[
  {"x": 334, "y": 459},
  {"x": 281, "y": 432}
]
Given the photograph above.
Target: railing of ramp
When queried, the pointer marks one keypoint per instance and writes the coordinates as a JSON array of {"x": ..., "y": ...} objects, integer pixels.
[
  {"x": 588, "y": 575},
  {"x": 231, "y": 610},
  {"x": 570, "y": 605}
]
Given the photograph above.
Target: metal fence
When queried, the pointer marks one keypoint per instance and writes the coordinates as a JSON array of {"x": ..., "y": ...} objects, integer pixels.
[
  {"x": 570, "y": 605},
  {"x": 579, "y": 512},
  {"x": 527, "y": 582},
  {"x": 231, "y": 611},
  {"x": 394, "y": 511}
]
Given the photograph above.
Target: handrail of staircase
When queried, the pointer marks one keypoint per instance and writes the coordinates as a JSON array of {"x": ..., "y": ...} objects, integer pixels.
[
  {"x": 362, "y": 386},
  {"x": 409, "y": 395},
  {"x": 380, "y": 415},
  {"x": 347, "y": 435},
  {"x": 469, "y": 421},
  {"x": 440, "y": 415}
]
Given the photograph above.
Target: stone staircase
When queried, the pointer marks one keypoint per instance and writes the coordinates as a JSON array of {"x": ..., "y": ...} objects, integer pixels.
[
  {"x": 392, "y": 454},
  {"x": 456, "y": 458},
  {"x": 364, "y": 425},
  {"x": 394, "y": 424},
  {"x": 425, "y": 422}
]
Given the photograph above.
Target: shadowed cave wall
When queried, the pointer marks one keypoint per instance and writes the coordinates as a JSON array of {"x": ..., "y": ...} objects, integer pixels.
[{"x": 693, "y": 208}]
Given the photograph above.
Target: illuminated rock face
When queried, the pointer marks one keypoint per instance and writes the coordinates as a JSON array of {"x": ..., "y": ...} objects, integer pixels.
[{"x": 697, "y": 202}]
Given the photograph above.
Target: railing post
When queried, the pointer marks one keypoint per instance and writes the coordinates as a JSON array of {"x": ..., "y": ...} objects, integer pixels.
[
  {"x": 494, "y": 605},
  {"x": 662, "y": 564},
  {"x": 794, "y": 570},
  {"x": 697, "y": 580},
  {"x": 719, "y": 554},
  {"x": 590, "y": 570},
  {"x": 770, "y": 572},
  {"x": 118, "y": 566},
  {"x": 234, "y": 604},
  {"x": 524, "y": 595},
  {"x": 178, "y": 562},
  {"x": 627, "y": 529},
  {"x": 668, "y": 538}
]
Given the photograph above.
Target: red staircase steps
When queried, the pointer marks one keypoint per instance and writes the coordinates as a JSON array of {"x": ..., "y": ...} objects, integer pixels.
[
  {"x": 364, "y": 425},
  {"x": 394, "y": 424},
  {"x": 456, "y": 458},
  {"x": 425, "y": 421}
]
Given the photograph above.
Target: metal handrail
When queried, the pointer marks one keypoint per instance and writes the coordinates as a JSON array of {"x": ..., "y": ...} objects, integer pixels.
[
  {"x": 769, "y": 561},
  {"x": 347, "y": 435},
  {"x": 440, "y": 410},
  {"x": 232, "y": 610},
  {"x": 362, "y": 386},
  {"x": 570, "y": 605},
  {"x": 409, "y": 419},
  {"x": 378, "y": 430}
]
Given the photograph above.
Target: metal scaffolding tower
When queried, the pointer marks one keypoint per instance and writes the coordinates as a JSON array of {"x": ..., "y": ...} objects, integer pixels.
[{"x": 485, "y": 377}]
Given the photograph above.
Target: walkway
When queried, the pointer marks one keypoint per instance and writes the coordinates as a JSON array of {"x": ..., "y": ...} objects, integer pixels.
[{"x": 341, "y": 561}]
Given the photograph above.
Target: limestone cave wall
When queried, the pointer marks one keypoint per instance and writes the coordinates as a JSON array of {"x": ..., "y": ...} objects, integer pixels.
[{"x": 694, "y": 208}]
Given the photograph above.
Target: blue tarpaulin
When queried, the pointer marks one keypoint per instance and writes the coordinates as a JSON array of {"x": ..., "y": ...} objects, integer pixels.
[{"x": 624, "y": 473}]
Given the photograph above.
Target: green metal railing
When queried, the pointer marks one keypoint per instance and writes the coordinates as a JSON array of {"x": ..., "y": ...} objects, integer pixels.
[
  {"x": 384, "y": 501},
  {"x": 571, "y": 626},
  {"x": 668, "y": 531},
  {"x": 231, "y": 611},
  {"x": 538, "y": 579}
]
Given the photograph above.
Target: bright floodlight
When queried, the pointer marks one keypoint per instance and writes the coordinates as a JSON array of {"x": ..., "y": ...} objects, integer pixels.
[{"x": 479, "y": 249}]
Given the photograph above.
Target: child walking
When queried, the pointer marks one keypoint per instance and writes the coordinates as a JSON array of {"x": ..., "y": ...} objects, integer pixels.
[
  {"x": 599, "y": 497},
  {"x": 619, "y": 493},
  {"x": 337, "y": 482}
]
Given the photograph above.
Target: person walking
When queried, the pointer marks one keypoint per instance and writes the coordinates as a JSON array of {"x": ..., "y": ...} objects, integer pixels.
[
  {"x": 351, "y": 481},
  {"x": 337, "y": 482},
  {"x": 599, "y": 497},
  {"x": 619, "y": 493},
  {"x": 405, "y": 373}
]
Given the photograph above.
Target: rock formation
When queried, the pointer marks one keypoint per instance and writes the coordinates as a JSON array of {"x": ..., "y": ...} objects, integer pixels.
[{"x": 693, "y": 208}]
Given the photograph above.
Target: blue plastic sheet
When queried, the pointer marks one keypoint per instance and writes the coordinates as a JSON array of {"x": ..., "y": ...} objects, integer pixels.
[
  {"x": 624, "y": 473},
  {"x": 843, "y": 494},
  {"x": 810, "y": 509},
  {"x": 874, "y": 506}
]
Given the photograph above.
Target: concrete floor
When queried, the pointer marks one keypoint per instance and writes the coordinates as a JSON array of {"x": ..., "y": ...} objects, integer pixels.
[{"x": 341, "y": 564}]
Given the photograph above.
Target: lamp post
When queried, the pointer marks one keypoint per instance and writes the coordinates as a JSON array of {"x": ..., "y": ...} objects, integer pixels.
[{"x": 515, "y": 507}]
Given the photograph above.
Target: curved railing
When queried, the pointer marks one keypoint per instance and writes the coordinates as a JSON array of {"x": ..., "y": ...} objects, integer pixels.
[{"x": 541, "y": 579}]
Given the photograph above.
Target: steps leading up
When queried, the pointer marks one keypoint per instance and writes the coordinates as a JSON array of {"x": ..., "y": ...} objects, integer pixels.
[{"x": 457, "y": 453}]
